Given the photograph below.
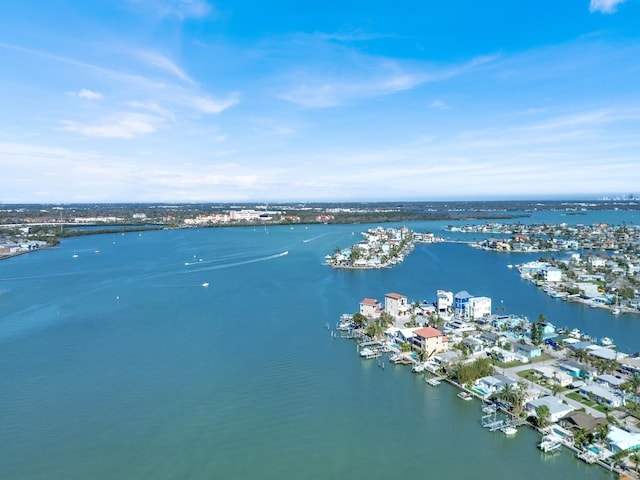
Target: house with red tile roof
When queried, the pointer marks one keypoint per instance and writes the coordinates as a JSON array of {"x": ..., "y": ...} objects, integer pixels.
[
  {"x": 370, "y": 307},
  {"x": 430, "y": 340},
  {"x": 395, "y": 304}
]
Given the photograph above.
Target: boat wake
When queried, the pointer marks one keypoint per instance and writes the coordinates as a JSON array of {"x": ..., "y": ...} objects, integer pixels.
[
  {"x": 307, "y": 240},
  {"x": 235, "y": 264}
]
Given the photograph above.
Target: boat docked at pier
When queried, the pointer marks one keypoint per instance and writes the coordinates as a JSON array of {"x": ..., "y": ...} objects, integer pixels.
[
  {"x": 550, "y": 443},
  {"x": 465, "y": 395},
  {"x": 368, "y": 353}
]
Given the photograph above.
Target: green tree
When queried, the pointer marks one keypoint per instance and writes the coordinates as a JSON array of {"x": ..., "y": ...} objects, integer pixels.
[
  {"x": 632, "y": 385},
  {"x": 543, "y": 415},
  {"x": 513, "y": 395},
  {"x": 359, "y": 319}
]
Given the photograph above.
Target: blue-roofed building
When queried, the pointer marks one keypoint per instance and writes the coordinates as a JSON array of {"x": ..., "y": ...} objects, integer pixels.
[{"x": 461, "y": 303}]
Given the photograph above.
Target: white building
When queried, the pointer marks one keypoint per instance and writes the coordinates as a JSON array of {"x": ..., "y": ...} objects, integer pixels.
[
  {"x": 479, "y": 307},
  {"x": 444, "y": 300},
  {"x": 395, "y": 304},
  {"x": 552, "y": 274}
]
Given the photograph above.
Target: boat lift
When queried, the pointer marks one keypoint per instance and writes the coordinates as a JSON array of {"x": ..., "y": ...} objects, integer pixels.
[{"x": 492, "y": 422}]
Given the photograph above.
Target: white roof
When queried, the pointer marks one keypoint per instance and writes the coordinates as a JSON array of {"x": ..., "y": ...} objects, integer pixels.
[{"x": 622, "y": 439}]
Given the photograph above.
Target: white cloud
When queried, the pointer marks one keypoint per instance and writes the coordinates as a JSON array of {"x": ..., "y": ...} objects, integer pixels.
[
  {"x": 366, "y": 76},
  {"x": 176, "y": 8},
  {"x": 163, "y": 63},
  {"x": 122, "y": 125},
  {"x": 439, "y": 104},
  {"x": 88, "y": 94},
  {"x": 151, "y": 107},
  {"x": 207, "y": 104},
  {"x": 604, "y": 6}
]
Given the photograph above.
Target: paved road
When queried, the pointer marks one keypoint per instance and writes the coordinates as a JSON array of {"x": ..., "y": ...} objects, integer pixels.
[{"x": 513, "y": 373}]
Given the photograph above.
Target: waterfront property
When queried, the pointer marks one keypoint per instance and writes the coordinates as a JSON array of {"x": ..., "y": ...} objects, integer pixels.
[{"x": 556, "y": 407}]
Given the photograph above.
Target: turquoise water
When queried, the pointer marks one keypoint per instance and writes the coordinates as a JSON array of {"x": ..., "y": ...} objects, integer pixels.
[{"x": 120, "y": 364}]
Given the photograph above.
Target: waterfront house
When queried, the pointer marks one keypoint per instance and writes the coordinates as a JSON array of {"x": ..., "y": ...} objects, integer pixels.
[
  {"x": 552, "y": 274},
  {"x": 479, "y": 307},
  {"x": 395, "y": 304},
  {"x": 548, "y": 330},
  {"x": 492, "y": 384},
  {"x": 602, "y": 395},
  {"x": 461, "y": 303},
  {"x": 579, "y": 420},
  {"x": 529, "y": 351},
  {"x": 370, "y": 308},
  {"x": 444, "y": 301},
  {"x": 557, "y": 408},
  {"x": 445, "y": 358},
  {"x": 430, "y": 340}
]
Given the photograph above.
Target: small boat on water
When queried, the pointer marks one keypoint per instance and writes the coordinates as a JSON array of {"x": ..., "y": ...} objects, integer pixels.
[
  {"x": 509, "y": 430},
  {"x": 615, "y": 311},
  {"x": 205, "y": 284},
  {"x": 465, "y": 395},
  {"x": 434, "y": 382}
]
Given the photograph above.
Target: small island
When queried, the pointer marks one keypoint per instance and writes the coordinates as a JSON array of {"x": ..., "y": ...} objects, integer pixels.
[{"x": 381, "y": 248}]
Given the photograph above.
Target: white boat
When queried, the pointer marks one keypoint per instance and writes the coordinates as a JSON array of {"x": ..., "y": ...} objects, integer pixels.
[
  {"x": 509, "y": 430},
  {"x": 550, "y": 443},
  {"x": 395, "y": 357},
  {"x": 345, "y": 322},
  {"x": 367, "y": 352},
  {"x": 418, "y": 368},
  {"x": 615, "y": 311},
  {"x": 575, "y": 333},
  {"x": 434, "y": 382},
  {"x": 465, "y": 395},
  {"x": 75, "y": 255},
  {"x": 205, "y": 284},
  {"x": 606, "y": 342}
]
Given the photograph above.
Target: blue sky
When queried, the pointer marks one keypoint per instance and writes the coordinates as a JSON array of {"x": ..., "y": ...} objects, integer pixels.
[{"x": 195, "y": 101}]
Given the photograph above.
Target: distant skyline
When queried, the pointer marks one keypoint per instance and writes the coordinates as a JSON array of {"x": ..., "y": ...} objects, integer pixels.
[{"x": 244, "y": 101}]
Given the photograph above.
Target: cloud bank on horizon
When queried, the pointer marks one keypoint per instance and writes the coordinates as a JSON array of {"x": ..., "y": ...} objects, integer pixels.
[{"x": 195, "y": 101}]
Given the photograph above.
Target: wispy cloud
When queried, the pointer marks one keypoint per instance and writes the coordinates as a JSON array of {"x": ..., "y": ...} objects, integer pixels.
[
  {"x": 207, "y": 104},
  {"x": 369, "y": 76},
  {"x": 440, "y": 105},
  {"x": 181, "y": 9},
  {"x": 163, "y": 63},
  {"x": 605, "y": 6},
  {"x": 88, "y": 94},
  {"x": 122, "y": 125}
]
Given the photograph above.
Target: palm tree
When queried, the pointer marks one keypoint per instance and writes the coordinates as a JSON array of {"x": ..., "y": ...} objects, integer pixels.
[
  {"x": 632, "y": 385},
  {"x": 603, "y": 431},
  {"x": 513, "y": 395},
  {"x": 543, "y": 413}
]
